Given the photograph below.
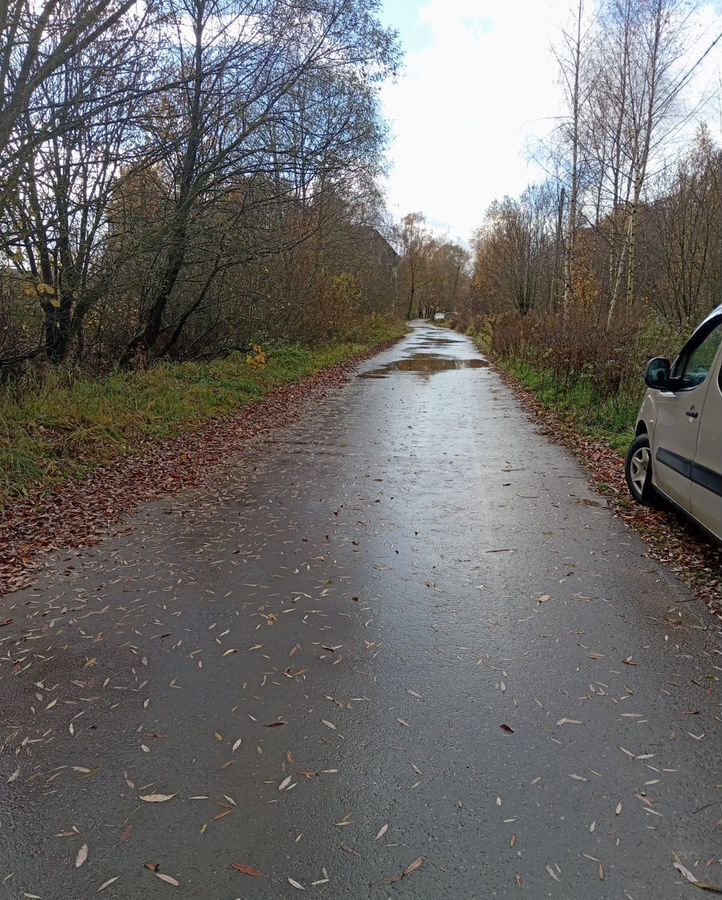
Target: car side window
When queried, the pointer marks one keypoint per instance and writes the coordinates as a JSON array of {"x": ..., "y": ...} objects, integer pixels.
[{"x": 699, "y": 361}]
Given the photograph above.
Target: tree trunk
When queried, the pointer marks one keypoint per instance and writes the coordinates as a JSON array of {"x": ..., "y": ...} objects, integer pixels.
[
  {"x": 58, "y": 331},
  {"x": 632, "y": 251},
  {"x": 190, "y": 185},
  {"x": 412, "y": 290},
  {"x": 574, "y": 197},
  {"x": 558, "y": 251}
]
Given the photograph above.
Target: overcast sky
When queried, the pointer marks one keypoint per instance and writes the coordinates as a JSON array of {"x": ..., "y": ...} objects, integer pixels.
[{"x": 479, "y": 88}]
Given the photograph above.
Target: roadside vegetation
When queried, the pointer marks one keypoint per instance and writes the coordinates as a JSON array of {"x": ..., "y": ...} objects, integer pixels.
[
  {"x": 190, "y": 216},
  {"x": 584, "y": 370},
  {"x": 575, "y": 284},
  {"x": 64, "y": 425},
  {"x": 179, "y": 181}
]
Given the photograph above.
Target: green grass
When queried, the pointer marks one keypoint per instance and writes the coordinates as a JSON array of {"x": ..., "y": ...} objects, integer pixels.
[
  {"x": 608, "y": 419},
  {"x": 62, "y": 427}
]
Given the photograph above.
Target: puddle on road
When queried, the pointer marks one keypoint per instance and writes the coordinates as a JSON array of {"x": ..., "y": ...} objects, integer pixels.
[
  {"x": 433, "y": 348},
  {"x": 435, "y": 342},
  {"x": 425, "y": 364}
]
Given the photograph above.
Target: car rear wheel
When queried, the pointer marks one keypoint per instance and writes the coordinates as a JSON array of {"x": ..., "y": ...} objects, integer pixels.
[{"x": 638, "y": 471}]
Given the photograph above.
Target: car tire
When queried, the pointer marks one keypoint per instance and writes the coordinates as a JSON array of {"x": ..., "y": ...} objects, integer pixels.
[{"x": 638, "y": 471}]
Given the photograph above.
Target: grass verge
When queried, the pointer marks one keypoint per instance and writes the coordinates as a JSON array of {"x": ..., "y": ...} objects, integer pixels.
[
  {"x": 63, "y": 426},
  {"x": 608, "y": 419}
]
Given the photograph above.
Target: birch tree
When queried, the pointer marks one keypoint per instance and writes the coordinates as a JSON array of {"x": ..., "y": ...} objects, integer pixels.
[{"x": 570, "y": 59}]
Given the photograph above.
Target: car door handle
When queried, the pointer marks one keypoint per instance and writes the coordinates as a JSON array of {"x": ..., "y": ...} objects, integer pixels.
[{"x": 692, "y": 413}]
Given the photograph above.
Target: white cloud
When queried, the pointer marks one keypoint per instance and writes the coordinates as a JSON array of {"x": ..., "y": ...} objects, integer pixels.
[
  {"x": 467, "y": 106},
  {"x": 475, "y": 98}
]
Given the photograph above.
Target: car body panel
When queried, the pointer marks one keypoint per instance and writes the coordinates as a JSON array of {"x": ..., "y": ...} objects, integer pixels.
[
  {"x": 674, "y": 442},
  {"x": 706, "y": 492},
  {"x": 685, "y": 435}
]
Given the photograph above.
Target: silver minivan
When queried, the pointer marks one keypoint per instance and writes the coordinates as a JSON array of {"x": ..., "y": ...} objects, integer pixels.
[{"x": 677, "y": 452}]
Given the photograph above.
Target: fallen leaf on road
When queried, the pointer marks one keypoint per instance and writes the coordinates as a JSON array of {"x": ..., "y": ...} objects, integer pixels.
[
  {"x": 409, "y": 870},
  {"x": 692, "y": 878},
  {"x": 382, "y": 832},
  {"x": 324, "y": 880},
  {"x": 169, "y": 879},
  {"x": 412, "y": 867},
  {"x": 82, "y": 856},
  {"x": 299, "y": 887},
  {"x": 156, "y": 798},
  {"x": 247, "y": 870},
  {"x": 107, "y": 883},
  {"x": 507, "y": 728}
]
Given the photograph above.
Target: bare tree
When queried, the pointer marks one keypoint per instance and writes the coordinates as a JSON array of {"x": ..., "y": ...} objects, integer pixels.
[
  {"x": 654, "y": 79},
  {"x": 679, "y": 239},
  {"x": 414, "y": 241},
  {"x": 38, "y": 41},
  {"x": 243, "y": 64},
  {"x": 570, "y": 61},
  {"x": 54, "y": 218}
]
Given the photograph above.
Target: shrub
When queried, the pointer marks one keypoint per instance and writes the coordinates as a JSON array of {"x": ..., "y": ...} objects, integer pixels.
[{"x": 580, "y": 365}]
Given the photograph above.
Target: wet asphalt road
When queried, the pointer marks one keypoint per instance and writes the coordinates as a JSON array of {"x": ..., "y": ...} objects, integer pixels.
[{"x": 315, "y": 653}]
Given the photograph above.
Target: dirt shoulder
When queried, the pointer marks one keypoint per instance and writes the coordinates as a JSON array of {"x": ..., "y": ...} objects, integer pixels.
[{"x": 82, "y": 511}]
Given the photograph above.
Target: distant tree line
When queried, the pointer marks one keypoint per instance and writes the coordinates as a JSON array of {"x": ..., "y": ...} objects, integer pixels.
[
  {"x": 434, "y": 271},
  {"x": 627, "y": 229},
  {"x": 180, "y": 176}
]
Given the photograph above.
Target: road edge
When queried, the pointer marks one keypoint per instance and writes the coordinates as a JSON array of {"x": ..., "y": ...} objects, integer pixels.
[
  {"x": 87, "y": 508},
  {"x": 668, "y": 536}
]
